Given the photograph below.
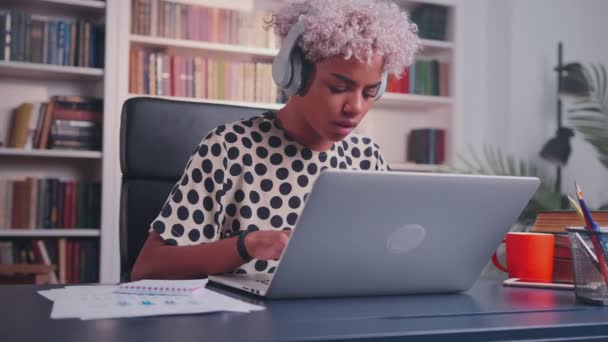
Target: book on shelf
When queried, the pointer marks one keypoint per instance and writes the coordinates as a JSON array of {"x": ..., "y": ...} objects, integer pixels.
[
  {"x": 36, "y": 203},
  {"x": 65, "y": 122},
  {"x": 22, "y": 120},
  {"x": 424, "y": 77},
  {"x": 426, "y": 146},
  {"x": 70, "y": 260},
  {"x": 556, "y": 222},
  {"x": 50, "y": 40},
  {"x": 175, "y": 20},
  {"x": 431, "y": 20},
  {"x": 161, "y": 74},
  {"x": 399, "y": 84},
  {"x": 22, "y": 254}
]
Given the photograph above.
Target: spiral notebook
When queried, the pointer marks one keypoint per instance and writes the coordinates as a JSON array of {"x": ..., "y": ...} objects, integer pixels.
[{"x": 163, "y": 287}]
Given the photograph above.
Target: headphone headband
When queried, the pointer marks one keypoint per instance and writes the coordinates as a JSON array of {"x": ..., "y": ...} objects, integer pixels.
[{"x": 287, "y": 65}]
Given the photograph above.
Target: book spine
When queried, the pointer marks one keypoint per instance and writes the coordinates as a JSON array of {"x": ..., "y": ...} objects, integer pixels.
[
  {"x": 2, "y": 35},
  {"x": 14, "y": 36}
]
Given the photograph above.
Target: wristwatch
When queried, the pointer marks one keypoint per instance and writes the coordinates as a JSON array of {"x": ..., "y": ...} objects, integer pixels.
[{"x": 240, "y": 246}]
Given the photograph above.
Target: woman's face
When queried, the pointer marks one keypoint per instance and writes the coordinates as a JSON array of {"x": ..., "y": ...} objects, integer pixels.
[{"x": 339, "y": 95}]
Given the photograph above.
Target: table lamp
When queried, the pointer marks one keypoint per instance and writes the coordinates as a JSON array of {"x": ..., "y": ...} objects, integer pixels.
[{"x": 570, "y": 82}]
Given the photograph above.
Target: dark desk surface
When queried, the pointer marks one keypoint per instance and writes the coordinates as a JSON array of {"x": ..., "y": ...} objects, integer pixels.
[{"x": 488, "y": 311}]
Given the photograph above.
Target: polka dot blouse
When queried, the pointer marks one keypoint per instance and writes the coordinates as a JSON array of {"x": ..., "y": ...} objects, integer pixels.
[{"x": 251, "y": 175}]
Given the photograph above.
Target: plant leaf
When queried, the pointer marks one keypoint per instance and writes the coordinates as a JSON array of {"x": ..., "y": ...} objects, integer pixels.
[
  {"x": 496, "y": 162},
  {"x": 590, "y": 116}
]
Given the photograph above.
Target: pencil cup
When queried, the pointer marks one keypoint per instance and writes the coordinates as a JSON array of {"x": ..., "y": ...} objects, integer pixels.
[{"x": 589, "y": 263}]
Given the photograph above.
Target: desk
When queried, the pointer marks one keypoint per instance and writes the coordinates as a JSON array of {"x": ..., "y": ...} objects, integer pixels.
[{"x": 488, "y": 311}]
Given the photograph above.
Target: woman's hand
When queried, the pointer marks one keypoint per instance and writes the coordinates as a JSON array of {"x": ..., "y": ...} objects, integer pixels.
[{"x": 266, "y": 245}]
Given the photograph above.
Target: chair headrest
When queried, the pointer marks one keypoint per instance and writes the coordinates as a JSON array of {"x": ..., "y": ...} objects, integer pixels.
[{"x": 158, "y": 136}]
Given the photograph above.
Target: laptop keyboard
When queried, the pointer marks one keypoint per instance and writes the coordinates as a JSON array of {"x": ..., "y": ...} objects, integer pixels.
[{"x": 263, "y": 281}]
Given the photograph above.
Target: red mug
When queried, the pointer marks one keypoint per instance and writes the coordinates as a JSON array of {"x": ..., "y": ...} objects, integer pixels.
[{"x": 529, "y": 256}]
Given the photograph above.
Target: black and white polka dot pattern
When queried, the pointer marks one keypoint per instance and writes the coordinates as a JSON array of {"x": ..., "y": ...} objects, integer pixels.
[{"x": 251, "y": 175}]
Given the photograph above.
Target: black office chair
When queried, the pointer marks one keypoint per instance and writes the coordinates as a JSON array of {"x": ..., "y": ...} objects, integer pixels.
[{"x": 156, "y": 139}]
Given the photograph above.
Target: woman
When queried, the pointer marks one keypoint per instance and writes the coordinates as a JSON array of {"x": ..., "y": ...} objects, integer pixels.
[{"x": 244, "y": 187}]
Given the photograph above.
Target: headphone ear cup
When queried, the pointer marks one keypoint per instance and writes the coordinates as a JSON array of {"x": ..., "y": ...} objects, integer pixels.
[
  {"x": 281, "y": 68},
  {"x": 382, "y": 86},
  {"x": 296, "y": 77},
  {"x": 287, "y": 60}
]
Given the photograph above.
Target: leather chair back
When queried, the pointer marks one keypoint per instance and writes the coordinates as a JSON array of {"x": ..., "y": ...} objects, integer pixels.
[{"x": 157, "y": 137}]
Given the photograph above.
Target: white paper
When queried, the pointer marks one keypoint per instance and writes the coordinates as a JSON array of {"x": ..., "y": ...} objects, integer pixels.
[
  {"x": 49, "y": 294},
  {"x": 55, "y": 294},
  {"x": 138, "y": 305},
  {"x": 94, "y": 302}
]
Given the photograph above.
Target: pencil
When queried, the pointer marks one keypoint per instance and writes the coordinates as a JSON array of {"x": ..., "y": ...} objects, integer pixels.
[
  {"x": 599, "y": 242},
  {"x": 589, "y": 221},
  {"x": 587, "y": 215},
  {"x": 576, "y": 208},
  {"x": 590, "y": 254}
]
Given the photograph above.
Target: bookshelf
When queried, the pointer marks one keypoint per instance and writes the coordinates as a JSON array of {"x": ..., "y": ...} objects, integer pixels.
[
  {"x": 46, "y": 68},
  {"x": 398, "y": 115}
]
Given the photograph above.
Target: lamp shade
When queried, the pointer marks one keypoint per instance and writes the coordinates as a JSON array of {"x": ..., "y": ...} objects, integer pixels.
[
  {"x": 574, "y": 82},
  {"x": 557, "y": 149}
]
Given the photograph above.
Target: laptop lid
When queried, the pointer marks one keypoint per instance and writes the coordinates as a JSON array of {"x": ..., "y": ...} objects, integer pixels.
[{"x": 370, "y": 233}]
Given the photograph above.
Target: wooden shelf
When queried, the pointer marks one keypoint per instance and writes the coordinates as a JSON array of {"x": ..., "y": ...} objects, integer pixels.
[
  {"x": 448, "y": 3},
  {"x": 274, "y": 106},
  {"x": 414, "y": 102},
  {"x": 161, "y": 42},
  {"x": 49, "y": 232},
  {"x": 76, "y": 3},
  {"x": 59, "y": 7},
  {"x": 401, "y": 166},
  {"x": 433, "y": 46},
  {"x": 19, "y": 152},
  {"x": 48, "y": 71}
]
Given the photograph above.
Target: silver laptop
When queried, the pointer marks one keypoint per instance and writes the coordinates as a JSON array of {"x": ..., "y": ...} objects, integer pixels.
[{"x": 370, "y": 233}]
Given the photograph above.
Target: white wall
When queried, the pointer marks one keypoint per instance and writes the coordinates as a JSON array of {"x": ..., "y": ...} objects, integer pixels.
[
  {"x": 509, "y": 98},
  {"x": 471, "y": 60},
  {"x": 486, "y": 72}
]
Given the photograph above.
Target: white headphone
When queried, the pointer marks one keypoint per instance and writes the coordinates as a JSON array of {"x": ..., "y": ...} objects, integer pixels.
[{"x": 287, "y": 66}]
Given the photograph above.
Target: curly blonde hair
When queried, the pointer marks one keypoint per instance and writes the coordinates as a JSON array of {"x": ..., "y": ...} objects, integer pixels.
[{"x": 358, "y": 28}]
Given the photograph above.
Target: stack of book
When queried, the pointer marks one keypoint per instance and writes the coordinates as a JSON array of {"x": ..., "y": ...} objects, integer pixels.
[
  {"x": 65, "y": 122},
  {"x": 556, "y": 222},
  {"x": 426, "y": 146}
]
